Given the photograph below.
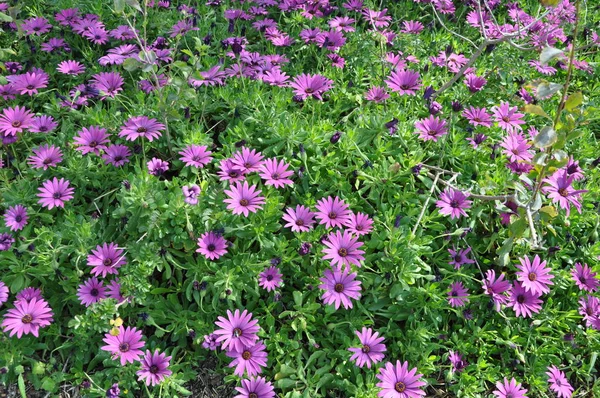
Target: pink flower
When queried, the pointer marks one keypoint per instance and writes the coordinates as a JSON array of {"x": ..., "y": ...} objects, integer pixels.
[
  {"x": 154, "y": 368},
  {"x": 15, "y": 218},
  {"x": 376, "y": 94},
  {"x": 255, "y": 387},
  {"x": 44, "y": 157},
  {"x": 276, "y": 173},
  {"x": 535, "y": 277},
  {"x": 108, "y": 83},
  {"x": 190, "y": 194},
  {"x": 343, "y": 249},
  {"x": 270, "y": 279},
  {"x": 453, "y": 203},
  {"x": 333, "y": 212},
  {"x": 15, "y": 120},
  {"x": 340, "y": 286},
  {"x": 399, "y": 382},
  {"x": 510, "y": 389},
  {"x": 117, "y": 155},
  {"x": 507, "y": 117},
  {"x": 516, "y": 147},
  {"x": 157, "y": 167},
  {"x": 42, "y": 124},
  {"x": 404, "y": 82},
  {"x": 54, "y": 193},
  {"x": 196, "y": 156},
  {"x": 72, "y": 68},
  {"x": 212, "y": 245},
  {"x": 91, "y": 291},
  {"x": 559, "y": 189},
  {"x": 474, "y": 83},
  {"x": 458, "y": 295},
  {"x": 431, "y": 128},
  {"x": 30, "y": 82},
  {"x": 91, "y": 139},
  {"x": 496, "y": 288},
  {"x": 243, "y": 199},
  {"x": 237, "y": 331},
  {"x": 106, "y": 259},
  {"x": 459, "y": 257},
  {"x": 126, "y": 345},
  {"x": 412, "y": 27},
  {"x": 248, "y": 160},
  {"x": 559, "y": 383},
  {"x": 230, "y": 172},
  {"x": 360, "y": 224},
  {"x": 311, "y": 86},
  {"x": 249, "y": 359},
  {"x": 299, "y": 220},
  {"x": 371, "y": 350},
  {"x": 27, "y": 317},
  {"x": 141, "y": 126},
  {"x": 478, "y": 117},
  {"x": 585, "y": 278},
  {"x": 525, "y": 303}
]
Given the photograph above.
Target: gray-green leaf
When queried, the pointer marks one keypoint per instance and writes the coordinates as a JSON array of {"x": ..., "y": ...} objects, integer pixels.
[{"x": 545, "y": 138}]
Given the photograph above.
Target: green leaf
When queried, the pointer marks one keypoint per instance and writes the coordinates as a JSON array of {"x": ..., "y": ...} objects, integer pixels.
[
  {"x": 549, "y": 3},
  {"x": 5, "y": 18},
  {"x": 547, "y": 90},
  {"x": 48, "y": 384},
  {"x": 574, "y": 101},
  {"x": 135, "y": 4},
  {"x": 550, "y": 53},
  {"x": 131, "y": 64},
  {"x": 535, "y": 110},
  {"x": 119, "y": 6},
  {"x": 545, "y": 138},
  {"x": 21, "y": 383}
]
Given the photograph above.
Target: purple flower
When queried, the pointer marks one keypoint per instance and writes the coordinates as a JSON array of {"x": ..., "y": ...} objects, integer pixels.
[
  {"x": 237, "y": 331},
  {"x": 459, "y": 257},
  {"x": 333, "y": 212},
  {"x": 212, "y": 246},
  {"x": 477, "y": 140},
  {"x": 559, "y": 383},
  {"x": 214, "y": 76},
  {"x": 108, "y": 83},
  {"x": 91, "y": 291},
  {"x": 311, "y": 86},
  {"x": 6, "y": 242},
  {"x": 343, "y": 249},
  {"x": 117, "y": 155},
  {"x": 91, "y": 139},
  {"x": 360, "y": 224},
  {"x": 42, "y": 124},
  {"x": 510, "y": 389},
  {"x": 583, "y": 277},
  {"x": 248, "y": 359},
  {"x": 3, "y": 293},
  {"x": 431, "y": 128},
  {"x": 457, "y": 361},
  {"x": 196, "y": 156},
  {"x": 154, "y": 368},
  {"x": 54, "y": 193},
  {"x": 559, "y": 189},
  {"x": 376, "y": 94},
  {"x": 458, "y": 295},
  {"x": 340, "y": 286},
  {"x": 589, "y": 308},
  {"x": 275, "y": 173},
  {"x": 27, "y": 317},
  {"x": 299, "y": 219},
  {"x": 535, "y": 277},
  {"x": 496, "y": 288},
  {"x": 478, "y": 116},
  {"x": 157, "y": 167},
  {"x": 525, "y": 303},
  {"x": 228, "y": 171},
  {"x": 126, "y": 345},
  {"x": 371, "y": 350},
  {"x": 474, "y": 83},
  {"x": 96, "y": 34},
  {"x": 15, "y": 120},
  {"x": 270, "y": 279},
  {"x": 255, "y": 387},
  {"x": 191, "y": 194},
  {"x": 44, "y": 157},
  {"x": 248, "y": 160},
  {"x": 210, "y": 342},
  {"x": 106, "y": 259},
  {"x": 404, "y": 82},
  {"x": 29, "y": 294},
  {"x": 16, "y": 217},
  {"x": 36, "y": 26},
  {"x": 516, "y": 147},
  {"x": 398, "y": 382},
  {"x": 141, "y": 126},
  {"x": 412, "y": 27},
  {"x": 243, "y": 198},
  {"x": 29, "y": 83},
  {"x": 453, "y": 203},
  {"x": 507, "y": 117},
  {"x": 72, "y": 68}
]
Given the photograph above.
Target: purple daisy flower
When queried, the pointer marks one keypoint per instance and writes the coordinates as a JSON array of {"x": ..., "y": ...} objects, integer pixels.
[
  {"x": 559, "y": 189},
  {"x": 458, "y": 295},
  {"x": 237, "y": 331},
  {"x": 15, "y": 120},
  {"x": 582, "y": 275},
  {"x": 534, "y": 276},
  {"x": 91, "y": 139},
  {"x": 54, "y": 193},
  {"x": 29, "y": 294},
  {"x": 299, "y": 219},
  {"x": 212, "y": 245},
  {"x": 255, "y": 388},
  {"x": 125, "y": 346},
  {"x": 516, "y": 147},
  {"x": 340, "y": 286},
  {"x": 477, "y": 140},
  {"x": 404, "y": 82},
  {"x": 510, "y": 389},
  {"x": 29, "y": 83},
  {"x": 431, "y": 128},
  {"x": 114, "y": 290},
  {"x": 154, "y": 368},
  {"x": 106, "y": 259},
  {"x": 228, "y": 171},
  {"x": 36, "y": 26},
  {"x": 210, "y": 342},
  {"x": 16, "y": 217},
  {"x": 376, "y": 94},
  {"x": 270, "y": 279},
  {"x": 248, "y": 160},
  {"x": 343, "y": 249},
  {"x": 589, "y": 308},
  {"x": 478, "y": 117},
  {"x": 275, "y": 173},
  {"x": 333, "y": 212},
  {"x": 67, "y": 17},
  {"x": 117, "y": 155},
  {"x": 157, "y": 167},
  {"x": 108, "y": 83},
  {"x": 453, "y": 203},
  {"x": 190, "y": 194},
  {"x": 398, "y": 382},
  {"x": 6, "y": 242},
  {"x": 474, "y": 83},
  {"x": 249, "y": 359},
  {"x": 457, "y": 361},
  {"x": 42, "y": 124},
  {"x": 141, "y": 126},
  {"x": 412, "y": 27},
  {"x": 371, "y": 350},
  {"x": 360, "y": 224},
  {"x": 525, "y": 303},
  {"x": 27, "y": 317},
  {"x": 459, "y": 257},
  {"x": 559, "y": 383},
  {"x": 244, "y": 198},
  {"x": 507, "y": 117},
  {"x": 72, "y": 68},
  {"x": 212, "y": 77},
  {"x": 196, "y": 156},
  {"x": 496, "y": 288},
  {"x": 305, "y": 86},
  {"x": 44, "y": 157},
  {"x": 3, "y": 293},
  {"x": 91, "y": 291},
  {"x": 96, "y": 34}
]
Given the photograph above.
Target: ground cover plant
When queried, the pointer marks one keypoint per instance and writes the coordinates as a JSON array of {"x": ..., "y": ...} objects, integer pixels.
[{"x": 319, "y": 198}]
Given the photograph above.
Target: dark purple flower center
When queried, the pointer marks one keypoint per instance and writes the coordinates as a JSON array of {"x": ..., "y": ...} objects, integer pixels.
[
  {"x": 153, "y": 369},
  {"x": 124, "y": 347},
  {"x": 458, "y": 258},
  {"x": 27, "y": 318},
  {"x": 269, "y": 277},
  {"x": 253, "y": 395},
  {"x": 520, "y": 299},
  {"x": 343, "y": 252},
  {"x": 365, "y": 349},
  {"x": 237, "y": 332},
  {"x": 506, "y": 119},
  {"x": 141, "y": 130},
  {"x": 300, "y": 222},
  {"x": 454, "y": 293},
  {"x": 118, "y": 158},
  {"x": 211, "y": 247},
  {"x": 454, "y": 204},
  {"x": 572, "y": 169},
  {"x": 94, "y": 292},
  {"x": 196, "y": 158},
  {"x": 93, "y": 144},
  {"x": 563, "y": 192},
  {"x": 47, "y": 161},
  {"x": 338, "y": 287},
  {"x": 589, "y": 311},
  {"x": 244, "y": 202},
  {"x": 358, "y": 227},
  {"x": 532, "y": 276},
  {"x": 581, "y": 277},
  {"x": 30, "y": 87},
  {"x": 16, "y": 123},
  {"x": 233, "y": 174},
  {"x": 107, "y": 262},
  {"x": 56, "y": 195},
  {"x": 19, "y": 218},
  {"x": 332, "y": 215},
  {"x": 246, "y": 355},
  {"x": 43, "y": 128},
  {"x": 275, "y": 176},
  {"x": 400, "y": 386},
  {"x": 309, "y": 90}
]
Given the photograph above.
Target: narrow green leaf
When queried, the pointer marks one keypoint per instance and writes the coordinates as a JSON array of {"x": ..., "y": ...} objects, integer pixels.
[
  {"x": 5, "y": 18},
  {"x": 21, "y": 383},
  {"x": 119, "y": 6}
]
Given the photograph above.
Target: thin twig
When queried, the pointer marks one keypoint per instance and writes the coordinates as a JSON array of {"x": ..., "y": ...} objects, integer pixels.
[
  {"x": 534, "y": 237},
  {"x": 502, "y": 198},
  {"x": 435, "y": 180}
]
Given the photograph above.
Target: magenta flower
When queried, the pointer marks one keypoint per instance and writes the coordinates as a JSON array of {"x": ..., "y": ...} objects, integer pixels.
[
  {"x": 248, "y": 160},
  {"x": 91, "y": 291},
  {"x": 249, "y": 359},
  {"x": 72, "y": 68},
  {"x": 237, "y": 331},
  {"x": 210, "y": 342},
  {"x": 114, "y": 290},
  {"x": 459, "y": 257},
  {"x": 228, "y": 171},
  {"x": 106, "y": 259},
  {"x": 270, "y": 279},
  {"x": 15, "y": 120},
  {"x": 29, "y": 294},
  {"x": 299, "y": 220},
  {"x": 275, "y": 173},
  {"x": 452, "y": 203},
  {"x": 275, "y": 77},
  {"x": 376, "y": 18},
  {"x": 15, "y": 218},
  {"x": 141, "y": 126},
  {"x": 44, "y": 157},
  {"x": 126, "y": 345},
  {"x": 516, "y": 147},
  {"x": 333, "y": 212},
  {"x": 404, "y": 82},
  {"x": 331, "y": 40},
  {"x": 478, "y": 116},
  {"x": 96, "y": 34},
  {"x": 29, "y": 83},
  {"x": 54, "y": 193},
  {"x": 27, "y": 317},
  {"x": 474, "y": 83},
  {"x": 196, "y": 156},
  {"x": 244, "y": 199},
  {"x": 572, "y": 168},
  {"x": 457, "y": 361},
  {"x": 412, "y": 27},
  {"x": 589, "y": 308},
  {"x": 525, "y": 303},
  {"x": 376, "y": 94},
  {"x": 510, "y": 389},
  {"x": 108, "y": 83},
  {"x": 477, "y": 140},
  {"x": 154, "y": 368},
  {"x": 343, "y": 249},
  {"x": 431, "y": 128},
  {"x": 340, "y": 286},
  {"x": 535, "y": 277},
  {"x": 91, "y": 139},
  {"x": 157, "y": 167},
  {"x": 496, "y": 288},
  {"x": 582, "y": 275},
  {"x": 343, "y": 24},
  {"x": 212, "y": 77},
  {"x": 255, "y": 387},
  {"x": 559, "y": 189},
  {"x": 212, "y": 245},
  {"x": 507, "y": 117},
  {"x": 6, "y": 242},
  {"x": 458, "y": 295},
  {"x": 371, "y": 350},
  {"x": 311, "y": 86},
  {"x": 559, "y": 383},
  {"x": 190, "y": 194},
  {"x": 42, "y": 124},
  {"x": 3, "y": 293},
  {"x": 360, "y": 224},
  {"x": 117, "y": 155},
  {"x": 181, "y": 28},
  {"x": 36, "y": 26},
  {"x": 398, "y": 382}
]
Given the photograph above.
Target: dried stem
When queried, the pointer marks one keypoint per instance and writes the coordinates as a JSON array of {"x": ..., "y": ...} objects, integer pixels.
[
  {"x": 435, "y": 180},
  {"x": 502, "y": 198}
]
